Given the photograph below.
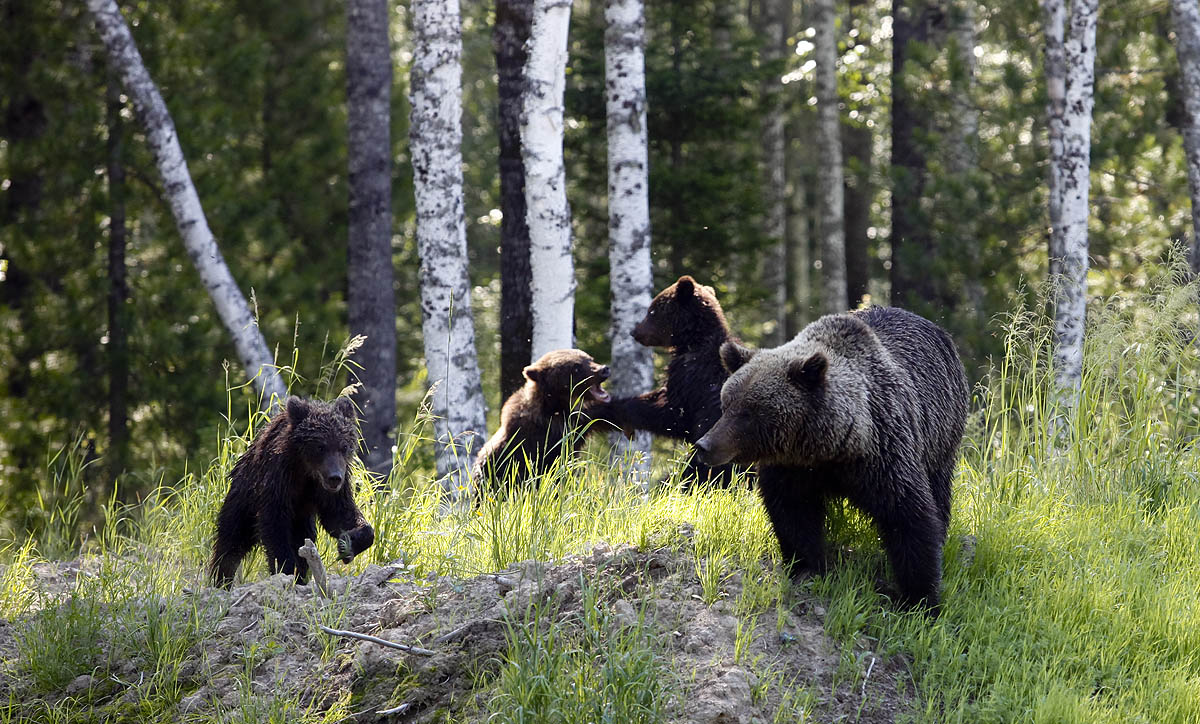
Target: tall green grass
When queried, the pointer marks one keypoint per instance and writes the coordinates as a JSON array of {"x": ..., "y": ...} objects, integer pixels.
[{"x": 1071, "y": 585}]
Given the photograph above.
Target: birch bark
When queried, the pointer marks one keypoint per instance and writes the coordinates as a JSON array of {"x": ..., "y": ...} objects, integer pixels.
[
  {"x": 1070, "y": 286},
  {"x": 630, "y": 272},
  {"x": 1185, "y": 15},
  {"x": 435, "y": 142},
  {"x": 551, "y": 265},
  {"x": 234, "y": 312},
  {"x": 830, "y": 175},
  {"x": 371, "y": 299},
  {"x": 1054, "y": 15}
]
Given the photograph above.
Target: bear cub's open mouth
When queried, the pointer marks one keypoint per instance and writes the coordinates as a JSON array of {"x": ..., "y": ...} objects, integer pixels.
[{"x": 598, "y": 393}]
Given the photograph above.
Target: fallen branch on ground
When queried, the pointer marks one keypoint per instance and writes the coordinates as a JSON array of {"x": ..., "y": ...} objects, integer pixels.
[{"x": 376, "y": 640}]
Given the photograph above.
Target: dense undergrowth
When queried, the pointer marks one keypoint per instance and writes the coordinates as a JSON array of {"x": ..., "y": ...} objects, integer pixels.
[{"x": 1072, "y": 574}]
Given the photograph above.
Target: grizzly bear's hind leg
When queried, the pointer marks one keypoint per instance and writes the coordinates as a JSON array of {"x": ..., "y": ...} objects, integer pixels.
[{"x": 235, "y": 537}]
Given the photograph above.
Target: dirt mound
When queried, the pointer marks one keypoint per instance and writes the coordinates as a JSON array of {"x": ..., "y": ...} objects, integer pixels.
[{"x": 262, "y": 642}]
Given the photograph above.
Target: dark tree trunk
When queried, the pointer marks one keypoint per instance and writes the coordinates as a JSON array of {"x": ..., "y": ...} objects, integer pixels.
[
  {"x": 513, "y": 20},
  {"x": 372, "y": 304},
  {"x": 118, "y": 292},
  {"x": 912, "y": 242},
  {"x": 856, "y": 142}
]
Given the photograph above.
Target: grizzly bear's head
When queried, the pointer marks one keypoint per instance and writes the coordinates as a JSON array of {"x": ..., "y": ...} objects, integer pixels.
[
  {"x": 679, "y": 315},
  {"x": 565, "y": 377},
  {"x": 797, "y": 405},
  {"x": 323, "y": 437}
]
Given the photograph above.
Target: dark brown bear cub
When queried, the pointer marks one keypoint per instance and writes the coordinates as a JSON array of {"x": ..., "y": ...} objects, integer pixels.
[
  {"x": 555, "y": 405},
  {"x": 296, "y": 471},
  {"x": 868, "y": 406},
  {"x": 686, "y": 319}
]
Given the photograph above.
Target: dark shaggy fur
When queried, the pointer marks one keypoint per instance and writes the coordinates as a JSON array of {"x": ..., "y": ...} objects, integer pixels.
[
  {"x": 686, "y": 319},
  {"x": 296, "y": 470},
  {"x": 869, "y": 406},
  {"x": 561, "y": 390}
]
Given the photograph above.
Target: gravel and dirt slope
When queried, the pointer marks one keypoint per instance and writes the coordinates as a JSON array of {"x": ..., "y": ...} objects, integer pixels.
[{"x": 260, "y": 642}]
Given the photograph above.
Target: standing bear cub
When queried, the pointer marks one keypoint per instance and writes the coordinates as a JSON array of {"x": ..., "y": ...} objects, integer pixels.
[
  {"x": 295, "y": 471},
  {"x": 686, "y": 319},
  {"x": 869, "y": 406},
  {"x": 544, "y": 420}
]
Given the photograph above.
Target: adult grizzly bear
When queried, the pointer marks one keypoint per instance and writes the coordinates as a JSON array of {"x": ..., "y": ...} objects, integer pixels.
[
  {"x": 686, "y": 319},
  {"x": 555, "y": 405},
  {"x": 869, "y": 406},
  {"x": 295, "y": 471}
]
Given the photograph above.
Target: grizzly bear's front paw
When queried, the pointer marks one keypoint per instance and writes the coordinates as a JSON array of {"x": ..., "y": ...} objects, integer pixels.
[{"x": 345, "y": 548}]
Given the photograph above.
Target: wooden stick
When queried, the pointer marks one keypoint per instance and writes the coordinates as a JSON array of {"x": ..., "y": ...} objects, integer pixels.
[
  {"x": 316, "y": 566},
  {"x": 376, "y": 640}
]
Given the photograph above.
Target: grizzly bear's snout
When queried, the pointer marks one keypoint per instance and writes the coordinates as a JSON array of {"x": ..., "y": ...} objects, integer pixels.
[
  {"x": 333, "y": 473},
  {"x": 715, "y": 448}
]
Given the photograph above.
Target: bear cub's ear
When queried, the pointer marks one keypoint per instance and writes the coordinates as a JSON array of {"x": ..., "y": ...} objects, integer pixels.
[
  {"x": 685, "y": 287},
  {"x": 808, "y": 373},
  {"x": 297, "y": 409},
  {"x": 344, "y": 407},
  {"x": 533, "y": 373},
  {"x": 734, "y": 355}
]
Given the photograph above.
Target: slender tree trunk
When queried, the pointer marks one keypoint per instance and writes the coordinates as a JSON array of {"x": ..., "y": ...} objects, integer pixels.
[
  {"x": 1055, "y": 14},
  {"x": 830, "y": 175},
  {"x": 964, "y": 156},
  {"x": 857, "y": 143},
  {"x": 235, "y": 314},
  {"x": 630, "y": 273},
  {"x": 775, "y": 19},
  {"x": 548, "y": 214},
  {"x": 435, "y": 141},
  {"x": 799, "y": 235},
  {"x": 509, "y": 35},
  {"x": 912, "y": 242},
  {"x": 118, "y": 291},
  {"x": 372, "y": 302},
  {"x": 1070, "y": 287},
  {"x": 1185, "y": 15}
]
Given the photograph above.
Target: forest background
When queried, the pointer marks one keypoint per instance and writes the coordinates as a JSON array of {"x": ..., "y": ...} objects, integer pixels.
[{"x": 258, "y": 96}]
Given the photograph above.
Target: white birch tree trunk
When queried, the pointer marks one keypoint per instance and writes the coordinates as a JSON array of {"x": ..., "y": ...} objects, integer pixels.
[
  {"x": 1070, "y": 286},
  {"x": 551, "y": 265},
  {"x": 1185, "y": 15},
  {"x": 435, "y": 142},
  {"x": 830, "y": 175},
  {"x": 630, "y": 271},
  {"x": 1055, "y": 17},
  {"x": 232, "y": 309}
]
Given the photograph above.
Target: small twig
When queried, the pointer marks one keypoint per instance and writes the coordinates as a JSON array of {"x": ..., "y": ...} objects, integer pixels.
[
  {"x": 377, "y": 640},
  {"x": 397, "y": 710},
  {"x": 316, "y": 566},
  {"x": 868, "y": 676},
  {"x": 243, "y": 597}
]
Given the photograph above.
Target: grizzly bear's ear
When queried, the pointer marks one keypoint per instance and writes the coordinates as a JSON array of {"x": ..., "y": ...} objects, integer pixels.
[
  {"x": 734, "y": 355},
  {"x": 532, "y": 373},
  {"x": 297, "y": 409},
  {"x": 685, "y": 287},
  {"x": 809, "y": 373},
  {"x": 344, "y": 407}
]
